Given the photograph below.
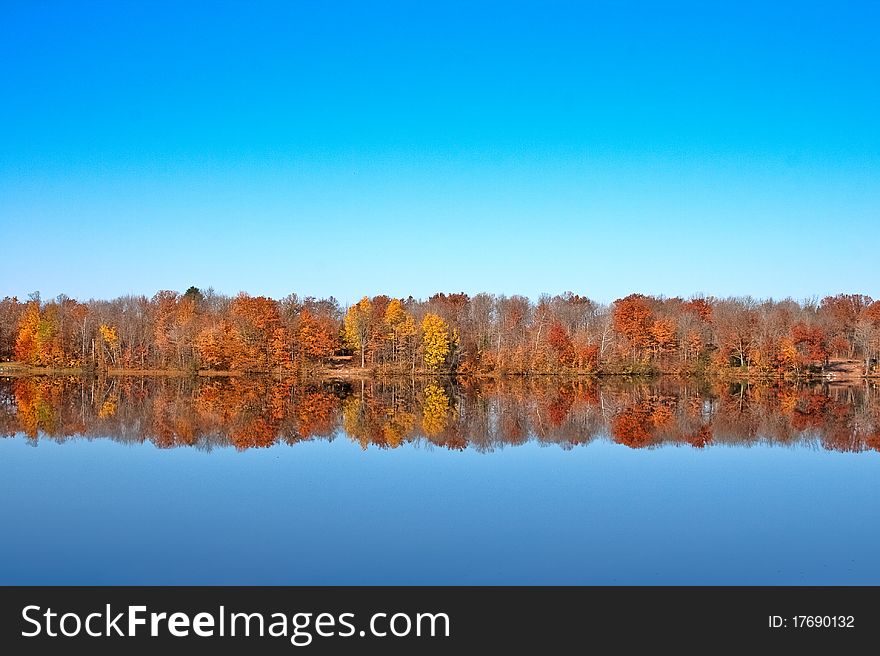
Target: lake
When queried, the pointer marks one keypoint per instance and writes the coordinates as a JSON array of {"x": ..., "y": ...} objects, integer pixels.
[{"x": 175, "y": 480}]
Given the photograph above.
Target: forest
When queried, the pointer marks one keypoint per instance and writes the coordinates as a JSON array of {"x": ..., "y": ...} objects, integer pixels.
[{"x": 481, "y": 335}]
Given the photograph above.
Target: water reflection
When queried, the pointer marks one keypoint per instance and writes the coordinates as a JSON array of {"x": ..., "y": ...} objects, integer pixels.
[{"x": 481, "y": 414}]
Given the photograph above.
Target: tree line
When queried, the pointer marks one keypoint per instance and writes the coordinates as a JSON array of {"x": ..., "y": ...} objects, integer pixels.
[{"x": 447, "y": 333}]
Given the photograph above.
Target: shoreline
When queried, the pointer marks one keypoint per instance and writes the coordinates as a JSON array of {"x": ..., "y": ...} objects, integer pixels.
[{"x": 15, "y": 369}]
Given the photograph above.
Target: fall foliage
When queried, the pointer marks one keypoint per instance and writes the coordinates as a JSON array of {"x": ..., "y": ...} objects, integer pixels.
[
  {"x": 447, "y": 334},
  {"x": 435, "y": 332}
]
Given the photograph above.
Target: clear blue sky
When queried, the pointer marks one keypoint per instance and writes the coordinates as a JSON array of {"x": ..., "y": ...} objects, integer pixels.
[{"x": 349, "y": 148}]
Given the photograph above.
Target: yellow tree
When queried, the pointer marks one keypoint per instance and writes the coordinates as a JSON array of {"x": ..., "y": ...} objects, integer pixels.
[
  {"x": 436, "y": 338},
  {"x": 110, "y": 338},
  {"x": 399, "y": 326},
  {"x": 356, "y": 327}
]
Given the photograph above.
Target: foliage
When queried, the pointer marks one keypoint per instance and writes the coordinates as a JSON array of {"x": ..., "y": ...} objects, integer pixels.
[
  {"x": 357, "y": 327},
  {"x": 565, "y": 334},
  {"x": 435, "y": 332}
]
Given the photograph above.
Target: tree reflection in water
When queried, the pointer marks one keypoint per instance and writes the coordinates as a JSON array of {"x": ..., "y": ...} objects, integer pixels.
[{"x": 250, "y": 412}]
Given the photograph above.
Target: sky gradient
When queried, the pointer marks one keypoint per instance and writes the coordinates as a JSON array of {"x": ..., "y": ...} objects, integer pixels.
[{"x": 405, "y": 148}]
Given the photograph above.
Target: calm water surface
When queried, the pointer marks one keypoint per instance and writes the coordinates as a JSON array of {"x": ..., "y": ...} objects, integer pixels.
[{"x": 251, "y": 481}]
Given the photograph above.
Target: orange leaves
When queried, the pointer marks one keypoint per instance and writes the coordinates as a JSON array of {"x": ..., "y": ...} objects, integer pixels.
[
  {"x": 164, "y": 304},
  {"x": 699, "y": 307},
  {"x": 559, "y": 407},
  {"x": 636, "y": 425},
  {"x": 317, "y": 337},
  {"x": 279, "y": 348},
  {"x": 811, "y": 343},
  {"x": 40, "y": 338},
  {"x": 632, "y": 427},
  {"x": 38, "y": 402},
  {"x": 587, "y": 357},
  {"x": 316, "y": 413},
  {"x": 844, "y": 309},
  {"x": 28, "y": 347},
  {"x": 699, "y": 439},
  {"x": 632, "y": 318},
  {"x": 872, "y": 313},
  {"x": 261, "y": 342},
  {"x": 663, "y": 335},
  {"x": 452, "y": 333},
  {"x": 787, "y": 356},
  {"x": 252, "y": 340},
  {"x": 213, "y": 346},
  {"x": 259, "y": 312},
  {"x": 560, "y": 342}
]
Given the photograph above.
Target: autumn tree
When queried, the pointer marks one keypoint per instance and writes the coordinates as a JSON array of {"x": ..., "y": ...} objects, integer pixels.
[
  {"x": 358, "y": 327},
  {"x": 317, "y": 337},
  {"x": 378, "y": 349},
  {"x": 110, "y": 343},
  {"x": 28, "y": 343},
  {"x": 735, "y": 329},
  {"x": 695, "y": 331},
  {"x": 811, "y": 344},
  {"x": 663, "y": 336},
  {"x": 262, "y": 342},
  {"x": 216, "y": 346},
  {"x": 435, "y": 334},
  {"x": 399, "y": 329},
  {"x": 176, "y": 324},
  {"x": 164, "y": 304},
  {"x": 843, "y": 313},
  {"x": 633, "y": 319},
  {"x": 511, "y": 343},
  {"x": 867, "y": 335},
  {"x": 46, "y": 333},
  {"x": 561, "y": 344}
]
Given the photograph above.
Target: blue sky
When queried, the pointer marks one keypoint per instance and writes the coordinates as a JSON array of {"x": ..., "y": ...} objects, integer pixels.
[{"x": 406, "y": 148}]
